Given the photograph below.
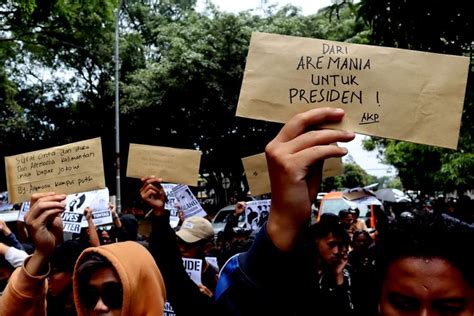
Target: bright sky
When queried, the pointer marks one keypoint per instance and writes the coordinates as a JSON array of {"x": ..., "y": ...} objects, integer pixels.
[
  {"x": 308, "y": 6},
  {"x": 367, "y": 160}
]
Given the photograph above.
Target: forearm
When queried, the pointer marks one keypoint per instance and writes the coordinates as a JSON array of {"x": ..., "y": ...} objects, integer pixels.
[
  {"x": 117, "y": 221},
  {"x": 25, "y": 293},
  {"x": 11, "y": 240},
  {"x": 37, "y": 264},
  {"x": 285, "y": 232},
  {"x": 93, "y": 236}
]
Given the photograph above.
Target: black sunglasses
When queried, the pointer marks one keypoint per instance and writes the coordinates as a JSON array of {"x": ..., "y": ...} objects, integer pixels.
[{"x": 111, "y": 294}]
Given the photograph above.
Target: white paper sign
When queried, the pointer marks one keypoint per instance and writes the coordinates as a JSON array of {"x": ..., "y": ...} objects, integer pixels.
[
  {"x": 256, "y": 214},
  {"x": 25, "y": 207},
  {"x": 4, "y": 205},
  {"x": 212, "y": 261},
  {"x": 72, "y": 222},
  {"x": 171, "y": 203},
  {"x": 97, "y": 200},
  {"x": 188, "y": 202},
  {"x": 193, "y": 267}
]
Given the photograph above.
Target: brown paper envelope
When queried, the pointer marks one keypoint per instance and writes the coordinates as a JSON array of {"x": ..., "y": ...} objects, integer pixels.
[
  {"x": 256, "y": 171},
  {"x": 72, "y": 168},
  {"x": 171, "y": 164},
  {"x": 388, "y": 92}
]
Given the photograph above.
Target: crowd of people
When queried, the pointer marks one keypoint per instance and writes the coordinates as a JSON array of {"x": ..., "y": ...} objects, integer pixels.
[{"x": 415, "y": 265}]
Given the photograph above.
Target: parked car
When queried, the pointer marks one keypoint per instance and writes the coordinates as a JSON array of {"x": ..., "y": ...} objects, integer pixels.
[
  {"x": 219, "y": 221},
  {"x": 371, "y": 209}
]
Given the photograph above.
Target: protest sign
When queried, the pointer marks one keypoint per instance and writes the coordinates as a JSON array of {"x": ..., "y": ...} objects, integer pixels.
[
  {"x": 188, "y": 202},
  {"x": 97, "y": 200},
  {"x": 256, "y": 213},
  {"x": 72, "y": 222},
  {"x": 386, "y": 92},
  {"x": 25, "y": 207},
  {"x": 194, "y": 269},
  {"x": 4, "y": 204},
  {"x": 171, "y": 202},
  {"x": 170, "y": 164},
  {"x": 212, "y": 261},
  {"x": 70, "y": 168},
  {"x": 256, "y": 171}
]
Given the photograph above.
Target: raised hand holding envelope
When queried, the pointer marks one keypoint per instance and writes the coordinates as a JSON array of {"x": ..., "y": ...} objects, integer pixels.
[
  {"x": 256, "y": 172},
  {"x": 386, "y": 92},
  {"x": 170, "y": 164}
]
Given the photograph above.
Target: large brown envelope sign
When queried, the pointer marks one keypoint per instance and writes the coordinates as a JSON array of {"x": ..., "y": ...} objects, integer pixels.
[
  {"x": 387, "y": 92},
  {"x": 256, "y": 171},
  {"x": 171, "y": 164},
  {"x": 72, "y": 168}
]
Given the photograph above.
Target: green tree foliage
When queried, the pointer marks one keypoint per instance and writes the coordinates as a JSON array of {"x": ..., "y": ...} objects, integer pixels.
[
  {"x": 441, "y": 28},
  {"x": 187, "y": 94},
  {"x": 353, "y": 176},
  {"x": 181, "y": 73}
]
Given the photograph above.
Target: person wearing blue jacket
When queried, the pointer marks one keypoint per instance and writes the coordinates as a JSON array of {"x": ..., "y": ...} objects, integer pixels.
[{"x": 274, "y": 276}]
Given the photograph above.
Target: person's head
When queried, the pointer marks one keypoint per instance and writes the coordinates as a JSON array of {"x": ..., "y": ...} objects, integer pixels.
[
  {"x": 346, "y": 218},
  {"x": 62, "y": 267},
  {"x": 100, "y": 288},
  {"x": 361, "y": 240},
  {"x": 106, "y": 234},
  {"x": 426, "y": 267},
  {"x": 330, "y": 238},
  {"x": 194, "y": 237},
  {"x": 118, "y": 279},
  {"x": 355, "y": 212}
]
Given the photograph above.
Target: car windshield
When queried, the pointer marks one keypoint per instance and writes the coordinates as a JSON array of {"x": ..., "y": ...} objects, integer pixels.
[
  {"x": 334, "y": 206},
  {"x": 221, "y": 217}
]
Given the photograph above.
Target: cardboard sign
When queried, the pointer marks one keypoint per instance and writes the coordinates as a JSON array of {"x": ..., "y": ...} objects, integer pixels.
[
  {"x": 388, "y": 92},
  {"x": 70, "y": 168},
  {"x": 256, "y": 171},
  {"x": 170, "y": 164}
]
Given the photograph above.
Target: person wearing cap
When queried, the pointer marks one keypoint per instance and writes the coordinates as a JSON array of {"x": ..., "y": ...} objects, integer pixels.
[
  {"x": 195, "y": 238},
  {"x": 169, "y": 248}
]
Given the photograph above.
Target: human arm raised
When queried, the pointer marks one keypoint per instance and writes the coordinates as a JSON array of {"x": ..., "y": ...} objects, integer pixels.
[
  {"x": 94, "y": 240},
  {"x": 25, "y": 293},
  {"x": 295, "y": 158},
  {"x": 45, "y": 227}
]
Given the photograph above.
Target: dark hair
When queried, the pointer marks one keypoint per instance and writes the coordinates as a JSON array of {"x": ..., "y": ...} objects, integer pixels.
[
  {"x": 361, "y": 232},
  {"x": 427, "y": 236},
  {"x": 328, "y": 224},
  {"x": 89, "y": 264}
]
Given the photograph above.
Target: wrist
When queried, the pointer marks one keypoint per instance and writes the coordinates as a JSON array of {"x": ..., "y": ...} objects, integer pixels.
[
  {"x": 159, "y": 211},
  {"x": 38, "y": 264}
]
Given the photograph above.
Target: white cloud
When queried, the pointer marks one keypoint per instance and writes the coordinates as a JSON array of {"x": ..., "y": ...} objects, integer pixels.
[{"x": 308, "y": 7}]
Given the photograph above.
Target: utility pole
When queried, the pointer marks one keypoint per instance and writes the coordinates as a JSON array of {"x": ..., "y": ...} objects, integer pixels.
[{"x": 117, "y": 110}]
